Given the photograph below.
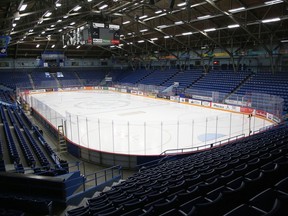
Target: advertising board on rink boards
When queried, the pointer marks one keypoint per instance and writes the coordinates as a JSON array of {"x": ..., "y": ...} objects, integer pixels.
[
  {"x": 206, "y": 103},
  {"x": 197, "y": 102},
  {"x": 226, "y": 107}
]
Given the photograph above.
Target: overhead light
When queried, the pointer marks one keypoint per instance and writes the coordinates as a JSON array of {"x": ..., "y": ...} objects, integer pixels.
[
  {"x": 60, "y": 30},
  {"x": 72, "y": 23},
  {"x": 38, "y": 45},
  {"x": 187, "y": 33},
  {"x": 142, "y": 17},
  {"x": 64, "y": 46},
  {"x": 89, "y": 0},
  {"x": 210, "y": 30},
  {"x": 14, "y": 24},
  {"x": 143, "y": 30},
  {"x": 76, "y": 8},
  {"x": 59, "y": 20},
  {"x": 31, "y": 30},
  {"x": 271, "y": 20},
  {"x": 203, "y": 17},
  {"x": 12, "y": 29},
  {"x": 40, "y": 20},
  {"x": 273, "y": 2},
  {"x": 57, "y": 4},
  {"x": 47, "y": 14},
  {"x": 181, "y": 4},
  {"x": 52, "y": 26},
  {"x": 103, "y": 6},
  {"x": 65, "y": 17},
  {"x": 284, "y": 41},
  {"x": 159, "y": 11},
  {"x": 234, "y": 26},
  {"x": 167, "y": 36},
  {"x": 126, "y": 22},
  {"x": 236, "y": 9},
  {"x": 162, "y": 26},
  {"x": 78, "y": 47},
  {"x": 17, "y": 18},
  {"x": 23, "y": 7},
  {"x": 53, "y": 46},
  {"x": 43, "y": 32},
  {"x": 154, "y": 39},
  {"x": 179, "y": 23},
  {"x": 112, "y": 46},
  {"x": 141, "y": 41}
]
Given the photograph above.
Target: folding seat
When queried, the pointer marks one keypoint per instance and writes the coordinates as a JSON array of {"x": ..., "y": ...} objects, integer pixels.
[
  {"x": 194, "y": 180},
  {"x": 134, "y": 212},
  {"x": 266, "y": 202},
  {"x": 265, "y": 158},
  {"x": 176, "y": 187},
  {"x": 253, "y": 163},
  {"x": 271, "y": 172},
  {"x": 157, "y": 195},
  {"x": 227, "y": 175},
  {"x": 282, "y": 187},
  {"x": 207, "y": 174},
  {"x": 236, "y": 188},
  {"x": 188, "y": 207},
  {"x": 143, "y": 193},
  {"x": 134, "y": 204},
  {"x": 81, "y": 211},
  {"x": 208, "y": 185},
  {"x": 244, "y": 158},
  {"x": 234, "y": 162},
  {"x": 255, "y": 181},
  {"x": 221, "y": 168},
  {"x": 212, "y": 207},
  {"x": 185, "y": 196},
  {"x": 99, "y": 199},
  {"x": 108, "y": 212},
  {"x": 240, "y": 169},
  {"x": 244, "y": 209},
  {"x": 96, "y": 209},
  {"x": 160, "y": 208}
]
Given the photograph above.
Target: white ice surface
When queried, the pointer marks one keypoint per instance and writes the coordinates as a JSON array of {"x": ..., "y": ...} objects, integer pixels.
[{"x": 129, "y": 124}]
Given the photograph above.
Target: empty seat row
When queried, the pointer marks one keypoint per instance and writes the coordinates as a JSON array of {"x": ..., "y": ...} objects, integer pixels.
[
  {"x": 37, "y": 150},
  {"x": 25, "y": 148}
]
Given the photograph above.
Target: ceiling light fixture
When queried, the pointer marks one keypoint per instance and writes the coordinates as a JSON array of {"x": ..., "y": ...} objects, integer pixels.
[
  {"x": 187, "y": 33},
  {"x": 271, "y": 20},
  {"x": 38, "y": 45},
  {"x": 236, "y": 9},
  {"x": 53, "y": 46},
  {"x": 77, "y": 8},
  {"x": 210, "y": 30},
  {"x": 142, "y": 17},
  {"x": 273, "y": 2},
  {"x": 159, "y": 11},
  {"x": 203, "y": 17},
  {"x": 23, "y": 7},
  {"x": 181, "y": 4},
  {"x": 47, "y": 14},
  {"x": 126, "y": 22},
  {"x": 141, "y": 41},
  {"x": 103, "y": 6},
  {"x": 233, "y": 26}
]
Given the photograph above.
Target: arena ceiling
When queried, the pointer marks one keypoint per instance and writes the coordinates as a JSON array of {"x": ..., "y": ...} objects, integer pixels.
[{"x": 147, "y": 26}]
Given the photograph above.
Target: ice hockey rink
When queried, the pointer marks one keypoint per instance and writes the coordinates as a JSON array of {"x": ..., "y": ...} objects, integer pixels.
[{"x": 130, "y": 124}]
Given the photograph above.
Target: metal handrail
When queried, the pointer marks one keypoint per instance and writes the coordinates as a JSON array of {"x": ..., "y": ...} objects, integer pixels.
[{"x": 197, "y": 148}]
